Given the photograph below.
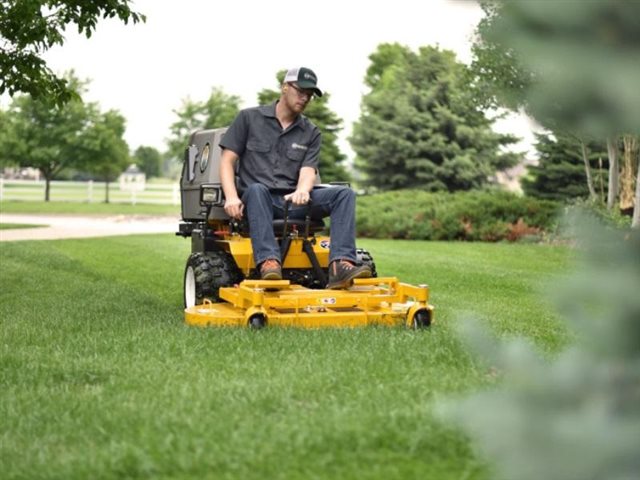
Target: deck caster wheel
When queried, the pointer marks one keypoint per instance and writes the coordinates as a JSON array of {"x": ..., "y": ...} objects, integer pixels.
[
  {"x": 257, "y": 321},
  {"x": 421, "y": 319}
]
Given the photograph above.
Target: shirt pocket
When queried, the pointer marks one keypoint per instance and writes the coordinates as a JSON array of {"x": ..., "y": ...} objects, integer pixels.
[
  {"x": 258, "y": 146},
  {"x": 295, "y": 154}
]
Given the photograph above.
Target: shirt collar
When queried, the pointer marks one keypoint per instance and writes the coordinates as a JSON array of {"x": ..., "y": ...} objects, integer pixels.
[{"x": 270, "y": 111}]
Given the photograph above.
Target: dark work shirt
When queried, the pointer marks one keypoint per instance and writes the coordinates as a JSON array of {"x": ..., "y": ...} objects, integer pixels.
[{"x": 269, "y": 155}]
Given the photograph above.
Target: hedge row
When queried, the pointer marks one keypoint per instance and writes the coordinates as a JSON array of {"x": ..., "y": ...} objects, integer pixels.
[{"x": 477, "y": 215}]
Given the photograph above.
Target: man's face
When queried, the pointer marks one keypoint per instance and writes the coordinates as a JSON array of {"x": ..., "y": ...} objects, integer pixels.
[{"x": 297, "y": 98}]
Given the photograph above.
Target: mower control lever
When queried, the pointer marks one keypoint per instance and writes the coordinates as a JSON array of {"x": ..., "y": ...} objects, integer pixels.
[{"x": 307, "y": 219}]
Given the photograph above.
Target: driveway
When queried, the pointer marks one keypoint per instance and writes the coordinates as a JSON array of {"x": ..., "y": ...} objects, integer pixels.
[{"x": 73, "y": 226}]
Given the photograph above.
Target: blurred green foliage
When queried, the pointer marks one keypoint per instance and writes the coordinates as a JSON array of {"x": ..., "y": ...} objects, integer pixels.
[
  {"x": 576, "y": 416},
  {"x": 572, "y": 65},
  {"x": 598, "y": 210}
]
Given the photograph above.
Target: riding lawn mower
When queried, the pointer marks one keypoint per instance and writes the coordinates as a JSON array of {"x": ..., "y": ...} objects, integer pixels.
[{"x": 222, "y": 286}]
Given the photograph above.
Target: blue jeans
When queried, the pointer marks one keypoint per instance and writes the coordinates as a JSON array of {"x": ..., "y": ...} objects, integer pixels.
[{"x": 262, "y": 206}]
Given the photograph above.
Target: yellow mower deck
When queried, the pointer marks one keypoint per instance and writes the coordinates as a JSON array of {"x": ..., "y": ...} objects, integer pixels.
[{"x": 370, "y": 301}]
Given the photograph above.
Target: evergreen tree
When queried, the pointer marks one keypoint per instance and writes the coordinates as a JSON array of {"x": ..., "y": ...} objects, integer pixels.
[
  {"x": 560, "y": 173},
  {"x": 331, "y": 159},
  {"x": 420, "y": 126}
]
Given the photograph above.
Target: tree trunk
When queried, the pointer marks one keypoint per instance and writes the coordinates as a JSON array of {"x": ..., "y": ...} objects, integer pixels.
[
  {"x": 635, "y": 223},
  {"x": 600, "y": 180},
  {"x": 47, "y": 187},
  {"x": 628, "y": 172},
  {"x": 612, "y": 193},
  {"x": 587, "y": 170},
  {"x": 106, "y": 192}
]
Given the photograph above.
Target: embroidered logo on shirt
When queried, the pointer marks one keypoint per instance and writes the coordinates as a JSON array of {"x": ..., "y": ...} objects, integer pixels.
[{"x": 299, "y": 147}]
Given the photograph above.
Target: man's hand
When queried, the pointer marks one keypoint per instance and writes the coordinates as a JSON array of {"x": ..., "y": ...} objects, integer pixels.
[
  {"x": 299, "y": 197},
  {"x": 234, "y": 208}
]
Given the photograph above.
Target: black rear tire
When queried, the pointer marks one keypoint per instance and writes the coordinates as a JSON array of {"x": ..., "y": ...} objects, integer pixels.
[
  {"x": 205, "y": 273},
  {"x": 363, "y": 257}
]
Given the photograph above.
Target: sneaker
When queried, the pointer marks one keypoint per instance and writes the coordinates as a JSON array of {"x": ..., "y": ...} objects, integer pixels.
[
  {"x": 343, "y": 272},
  {"x": 270, "y": 270}
]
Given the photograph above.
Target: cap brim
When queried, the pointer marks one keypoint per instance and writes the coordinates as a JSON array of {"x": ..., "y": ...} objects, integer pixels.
[{"x": 310, "y": 86}]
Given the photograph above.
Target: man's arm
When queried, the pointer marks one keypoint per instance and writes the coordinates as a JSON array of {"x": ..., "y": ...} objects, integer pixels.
[
  {"x": 232, "y": 203},
  {"x": 306, "y": 181}
]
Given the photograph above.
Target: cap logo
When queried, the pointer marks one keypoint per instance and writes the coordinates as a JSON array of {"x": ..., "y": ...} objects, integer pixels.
[{"x": 305, "y": 77}]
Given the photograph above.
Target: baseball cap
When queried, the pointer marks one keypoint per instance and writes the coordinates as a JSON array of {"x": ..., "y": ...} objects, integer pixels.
[{"x": 305, "y": 78}]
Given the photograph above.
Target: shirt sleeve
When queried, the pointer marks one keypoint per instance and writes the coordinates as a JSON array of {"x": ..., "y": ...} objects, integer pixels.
[
  {"x": 312, "y": 158},
  {"x": 235, "y": 138}
]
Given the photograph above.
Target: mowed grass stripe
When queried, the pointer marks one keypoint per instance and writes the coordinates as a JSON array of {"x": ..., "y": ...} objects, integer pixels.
[{"x": 101, "y": 378}]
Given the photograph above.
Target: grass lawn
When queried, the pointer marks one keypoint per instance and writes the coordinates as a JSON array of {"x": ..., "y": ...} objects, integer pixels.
[
  {"x": 88, "y": 208},
  {"x": 12, "y": 226},
  {"x": 100, "y": 378}
]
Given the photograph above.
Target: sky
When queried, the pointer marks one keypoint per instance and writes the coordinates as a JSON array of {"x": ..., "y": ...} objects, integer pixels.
[{"x": 188, "y": 47}]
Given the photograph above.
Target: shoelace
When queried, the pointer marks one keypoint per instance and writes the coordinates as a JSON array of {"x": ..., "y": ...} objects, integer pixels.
[{"x": 344, "y": 264}]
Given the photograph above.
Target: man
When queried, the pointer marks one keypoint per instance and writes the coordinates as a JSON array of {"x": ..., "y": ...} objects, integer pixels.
[{"x": 278, "y": 150}]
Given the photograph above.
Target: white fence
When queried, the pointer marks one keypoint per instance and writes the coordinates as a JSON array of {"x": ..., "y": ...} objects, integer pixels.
[{"x": 88, "y": 192}]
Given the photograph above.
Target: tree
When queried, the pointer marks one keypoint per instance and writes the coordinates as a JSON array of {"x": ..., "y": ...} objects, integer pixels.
[
  {"x": 8, "y": 140},
  {"x": 217, "y": 111},
  {"x": 420, "y": 126},
  {"x": 630, "y": 161},
  {"x": 496, "y": 70},
  {"x": 579, "y": 66},
  {"x": 46, "y": 138},
  {"x": 614, "y": 172},
  {"x": 635, "y": 222},
  {"x": 560, "y": 173},
  {"x": 574, "y": 414},
  {"x": 29, "y": 28},
  {"x": 331, "y": 159},
  {"x": 149, "y": 160},
  {"x": 103, "y": 150}
]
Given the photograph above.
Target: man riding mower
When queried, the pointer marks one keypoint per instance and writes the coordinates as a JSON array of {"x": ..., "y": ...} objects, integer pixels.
[{"x": 224, "y": 287}]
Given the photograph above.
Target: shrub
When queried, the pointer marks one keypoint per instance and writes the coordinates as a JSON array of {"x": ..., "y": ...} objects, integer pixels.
[
  {"x": 477, "y": 215},
  {"x": 597, "y": 209}
]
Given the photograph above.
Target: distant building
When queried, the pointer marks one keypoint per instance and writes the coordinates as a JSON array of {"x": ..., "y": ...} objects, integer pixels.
[
  {"x": 132, "y": 179},
  {"x": 510, "y": 178},
  {"x": 21, "y": 173}
]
